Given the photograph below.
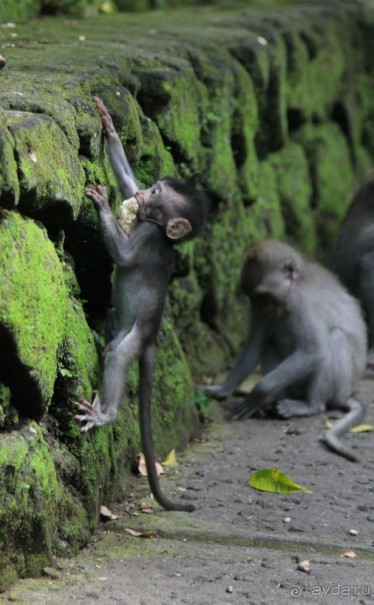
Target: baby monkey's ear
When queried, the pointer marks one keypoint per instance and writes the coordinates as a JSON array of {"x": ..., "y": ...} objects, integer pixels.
[{"x": 177, "y": 228}]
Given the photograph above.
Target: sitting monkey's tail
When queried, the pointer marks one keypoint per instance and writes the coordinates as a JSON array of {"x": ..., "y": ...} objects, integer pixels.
[
  {"x": 145, "y": 393},
  {"x": 355, "y": 415}
]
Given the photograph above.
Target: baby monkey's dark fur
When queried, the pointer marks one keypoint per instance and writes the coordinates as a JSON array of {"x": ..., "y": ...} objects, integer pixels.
[{"x": 169, "y": 212}]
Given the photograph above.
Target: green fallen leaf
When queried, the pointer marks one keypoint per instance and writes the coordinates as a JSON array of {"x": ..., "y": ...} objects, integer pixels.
[
  {"x": 272, "y": 480},
  {"x": 201, "y": 400},
  {"x": 360, "y": 428},
  {"x": 327, "y": 422}
]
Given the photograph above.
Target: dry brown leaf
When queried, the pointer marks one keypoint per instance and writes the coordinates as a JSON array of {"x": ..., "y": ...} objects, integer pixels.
[
  {"x": 107, "y": 514},
  {"x": 142, "y": 467},
  {"x": 171, "y": 459},
  {"x": 304, "y": 566},
  {"x": 350, "y": 554},
  {"x": 151, "y": 533},
  {"x": 145, "y": 507}
]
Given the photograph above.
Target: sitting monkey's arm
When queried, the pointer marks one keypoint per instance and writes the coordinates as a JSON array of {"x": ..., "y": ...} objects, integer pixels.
[
  {"x": 120, "y": 165},
  {"x": 298, "y": 366},
  {"x": 245, "y": 362}
]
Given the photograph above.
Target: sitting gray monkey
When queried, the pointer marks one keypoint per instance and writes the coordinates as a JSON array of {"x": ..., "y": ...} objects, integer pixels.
[
  {"x": 353, "y": 256},
  {"x": 309, "y": 336}
]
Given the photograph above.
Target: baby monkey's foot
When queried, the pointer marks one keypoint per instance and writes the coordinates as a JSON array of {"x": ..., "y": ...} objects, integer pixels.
[{"x": 92, "y": 413}]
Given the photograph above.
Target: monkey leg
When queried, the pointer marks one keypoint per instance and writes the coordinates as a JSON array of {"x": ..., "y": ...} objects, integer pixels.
[
  {"x": 146, "y": 364},
  {"x": 91, "y": 410},
  {"x": 115, "y": 368},
  {"x": 288, "y": 408}
]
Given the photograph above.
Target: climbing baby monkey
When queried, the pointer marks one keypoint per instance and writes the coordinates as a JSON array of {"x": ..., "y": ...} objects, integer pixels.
[
  {"x": 169, "y": 212},
  {"x": 309, "y": 336}
]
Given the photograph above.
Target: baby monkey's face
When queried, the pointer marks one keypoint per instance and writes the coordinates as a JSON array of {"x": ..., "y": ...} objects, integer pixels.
[
  {"x": 159, "y": 203},
  {"x": 162, "y": 205},
  {"x": 151, "y": 203}
]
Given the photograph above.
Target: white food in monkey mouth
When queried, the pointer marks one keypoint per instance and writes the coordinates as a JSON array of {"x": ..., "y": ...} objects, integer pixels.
[{"x": 128, "y": 213}]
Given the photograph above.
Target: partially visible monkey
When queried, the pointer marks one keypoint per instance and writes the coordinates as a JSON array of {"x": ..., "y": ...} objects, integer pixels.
[
  {"x": 169, "y": 211},
  {"x": 353, "y": 255},
  {"x": 309, "y": 336}
]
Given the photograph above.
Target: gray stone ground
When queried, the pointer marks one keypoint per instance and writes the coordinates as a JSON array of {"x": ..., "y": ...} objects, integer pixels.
[{"x": 237, "y": 547}]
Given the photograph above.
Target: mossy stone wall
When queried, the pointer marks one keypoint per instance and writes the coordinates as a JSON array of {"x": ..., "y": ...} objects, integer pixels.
[{"x": 273, "y": 106}]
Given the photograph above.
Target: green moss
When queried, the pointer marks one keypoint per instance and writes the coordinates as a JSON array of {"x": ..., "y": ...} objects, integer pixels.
[
  {"x": 49, "y": 171},
  {"x": 8, "y": 414},
  {"x": 332, "y": 176},
  {"x": 244, "y": 128},
  {"x": 98, "y": 173},
  {"x": 78, "y": 369},
  {"x": 217, "y": 156},
  {"x": 364, "y": 164},
  {"x": 32, "y": 312},
  {"x": 43, "y": 100},
  {"x": 174, "y": 410},
  {"x": 176, "y": 100},
  {"x": 19, "y": 11},
  {"x": 9, "y": 186},
  {"x": 295, "y": 193},
  {"x": 264, "y": 219},
  {"x": 255, "y": 58},
  {"x": 275, "y": 122},
  {"x": 316, "y": 66},
  {"x": 30, "y": 493},
  {"x": 185, "y": 301},
  {"x": 38, "y": 515},
  {"x": 155, "y": 161}
]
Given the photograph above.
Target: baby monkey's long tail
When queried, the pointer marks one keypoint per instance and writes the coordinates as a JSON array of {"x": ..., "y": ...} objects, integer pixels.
[
  {"x": 355, "y": 415},
  {"x": 145, "y": 393}
]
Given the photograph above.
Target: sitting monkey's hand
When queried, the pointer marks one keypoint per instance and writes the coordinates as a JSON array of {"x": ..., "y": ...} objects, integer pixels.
[
  {"x": 99, "y": 196},
  {"x": 93, "y": 415},
  {"x": 217, "y": 391}
]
